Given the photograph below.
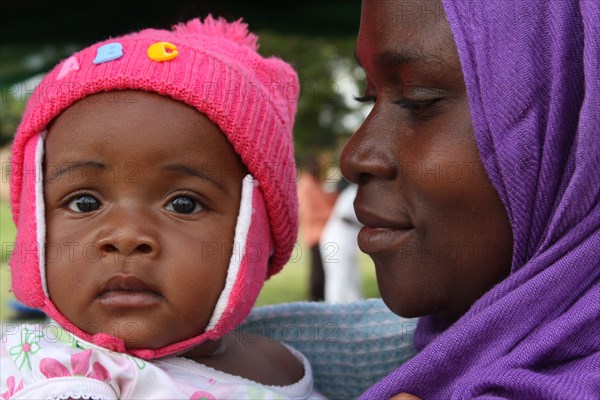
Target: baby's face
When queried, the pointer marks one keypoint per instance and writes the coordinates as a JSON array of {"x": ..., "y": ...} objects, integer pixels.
[{"x": 142, "y": 195}]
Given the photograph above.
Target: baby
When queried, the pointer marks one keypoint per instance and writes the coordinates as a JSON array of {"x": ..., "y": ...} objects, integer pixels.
[{"x": 158, "y": 170}]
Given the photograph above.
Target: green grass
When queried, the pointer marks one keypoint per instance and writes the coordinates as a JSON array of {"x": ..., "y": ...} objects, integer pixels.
[
  {"x": 291, "y": 284},
  {"x": 7, "y": 228},
  {"x": 7, "y": 237}
]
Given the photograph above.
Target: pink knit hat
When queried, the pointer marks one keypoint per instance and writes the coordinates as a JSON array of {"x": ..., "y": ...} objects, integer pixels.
[{"x": 212, "y": 66}]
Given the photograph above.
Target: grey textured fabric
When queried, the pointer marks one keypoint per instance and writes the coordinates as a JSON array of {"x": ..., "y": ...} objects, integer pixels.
[{"x": 350, "y": 346}]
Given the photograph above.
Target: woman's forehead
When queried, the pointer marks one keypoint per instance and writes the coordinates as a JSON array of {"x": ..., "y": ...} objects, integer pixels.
[
  {"x": 394, "y": 34},
  {"x": 408, "y": 16},
  {"x": 407, "y": 10}
]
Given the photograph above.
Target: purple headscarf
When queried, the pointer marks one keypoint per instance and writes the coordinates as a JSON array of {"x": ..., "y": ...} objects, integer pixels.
[{"x": 532, "y": 70}]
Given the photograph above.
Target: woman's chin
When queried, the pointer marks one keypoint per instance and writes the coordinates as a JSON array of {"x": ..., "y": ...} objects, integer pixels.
[{"x": 406, "y": 308}]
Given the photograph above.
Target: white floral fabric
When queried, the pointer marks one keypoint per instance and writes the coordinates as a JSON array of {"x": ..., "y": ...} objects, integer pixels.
[{"x": 43, "y": 361}]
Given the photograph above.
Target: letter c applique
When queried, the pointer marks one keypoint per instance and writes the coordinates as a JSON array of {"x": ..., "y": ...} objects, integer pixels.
[{"x": 162, "y": 51}]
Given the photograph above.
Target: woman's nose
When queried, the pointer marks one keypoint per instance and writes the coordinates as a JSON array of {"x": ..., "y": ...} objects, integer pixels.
[
  {"x": 129, "y": 233},
  {"x": 369, "y": 152}
]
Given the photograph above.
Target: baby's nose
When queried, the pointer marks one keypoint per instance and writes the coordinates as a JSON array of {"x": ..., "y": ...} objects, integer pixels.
[
  {"x": 129, "y": 234},
  {"x": 128, "y": 247}
]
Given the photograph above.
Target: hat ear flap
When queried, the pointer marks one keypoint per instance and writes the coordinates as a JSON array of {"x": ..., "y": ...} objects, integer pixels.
[
  {"x": 27, "y": 260},
  {"x": 247, "y": 271},
  {"x": 253, "y": 247}
]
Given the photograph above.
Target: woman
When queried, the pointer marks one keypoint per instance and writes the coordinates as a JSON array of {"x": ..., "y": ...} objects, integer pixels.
[{"x": 478, "y": 186}]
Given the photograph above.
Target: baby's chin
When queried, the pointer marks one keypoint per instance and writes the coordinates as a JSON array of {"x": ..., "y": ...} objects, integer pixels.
[
  {"x": 138, "y": 336},
  {"x": 207, "y": 349},
  {"x": 151, "y": 340}
]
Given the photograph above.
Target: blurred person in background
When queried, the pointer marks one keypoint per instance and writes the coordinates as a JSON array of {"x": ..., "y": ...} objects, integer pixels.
[
  {"x": 339, "y": 249},
  {"x": 316, "y": 205}
]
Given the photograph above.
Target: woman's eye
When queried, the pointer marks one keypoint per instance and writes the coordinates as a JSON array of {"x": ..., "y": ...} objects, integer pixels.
[
  {"x": 183, "y": 205},
  {"x": 365, "y": 99},
  {"x": 414, "y": 105},
  {"x": 84, "y": 204}
]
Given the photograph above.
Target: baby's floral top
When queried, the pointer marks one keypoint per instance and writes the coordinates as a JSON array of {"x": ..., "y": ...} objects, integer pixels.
[{"x": 43, "y": 361}]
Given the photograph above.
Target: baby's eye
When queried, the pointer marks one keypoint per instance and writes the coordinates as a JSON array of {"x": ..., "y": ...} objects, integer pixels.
[
  {"x": 183, "y": 205},
  {"x": 84, "y": 204}
]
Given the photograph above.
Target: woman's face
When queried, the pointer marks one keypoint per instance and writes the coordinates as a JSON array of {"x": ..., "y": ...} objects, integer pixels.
[{"x": 434, "y": 225}]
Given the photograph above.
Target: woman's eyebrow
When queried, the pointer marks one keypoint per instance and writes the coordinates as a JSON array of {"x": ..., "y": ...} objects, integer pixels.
[
  {"x": 185, "y": 169},
  {"x": 73, "y": 166},
  {"x": 394, "y": 58}
]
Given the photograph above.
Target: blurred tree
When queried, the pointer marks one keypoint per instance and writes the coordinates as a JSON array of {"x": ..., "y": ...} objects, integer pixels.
[
  {"x": 311, "y": 34},
  {"x": 321, "y": 104},
  {"x": 11, "y": 108}
]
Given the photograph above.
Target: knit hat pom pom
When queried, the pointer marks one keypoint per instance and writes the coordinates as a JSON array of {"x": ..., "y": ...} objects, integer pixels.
[{"x": 235, "y": 31}]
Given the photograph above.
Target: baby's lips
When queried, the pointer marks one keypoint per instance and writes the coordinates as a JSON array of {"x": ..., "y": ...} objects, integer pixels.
[
  {"x": 127, "y": 293},
  {"x": 127, "y": 282}
]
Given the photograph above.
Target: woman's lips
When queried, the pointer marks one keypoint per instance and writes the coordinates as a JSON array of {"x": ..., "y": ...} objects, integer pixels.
[
  {"x": 372, "y": 240},
  {"x": 127, "y": 292},
  {"x": 381, "y": 233}
]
